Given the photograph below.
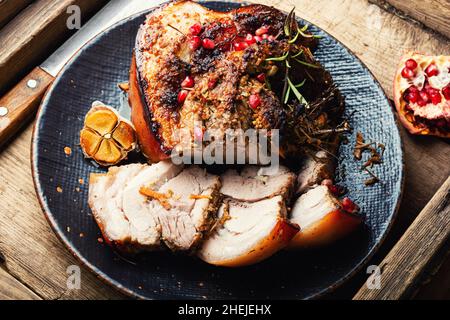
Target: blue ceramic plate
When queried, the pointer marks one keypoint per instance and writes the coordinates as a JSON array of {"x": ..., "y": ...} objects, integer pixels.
[{"x": 93, "y": 74}]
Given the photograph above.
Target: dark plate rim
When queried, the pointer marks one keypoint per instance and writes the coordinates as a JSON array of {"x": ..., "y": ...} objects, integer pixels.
[{"x": 131, "y": 293}]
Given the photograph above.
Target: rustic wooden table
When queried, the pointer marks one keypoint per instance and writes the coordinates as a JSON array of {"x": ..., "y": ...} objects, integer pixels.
[{"x": 33, "y": 262}]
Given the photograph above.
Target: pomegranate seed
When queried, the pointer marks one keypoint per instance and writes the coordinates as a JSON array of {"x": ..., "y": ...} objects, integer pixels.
[
  {"x": 432, "y": 70},
  {"x": 261, "y": 31},
  {"x": 261, "y": 77},
  {"x": 407, "y": 73},
  {"x": 428, "y": 88},
  {"x": 271, "y": 38},
  {"x": 446, "y": 92},
  {"x": 411, "y": 64},
  {"x": 239, "y": 46},
  {"x": 195, "y": 43},
  {"x": 335, "y": 190},
  {"x": 250, "y": 39},
  {"x": 424, "y": 96},
  {"x": 433, "y": 91},
  {"x": 413, "y": 96},
  {"x": 413, "y": 89},
  {"x": 195, "y": 29},
  {"x": 436, "y": 98},
  {"x": 349, "y": 206},
  {"x": 421, "y": 103},
  {"x": 182, "y": 96},
  {"x": 188, "y": 82},
  {"x": 212, "y": 83},
  {"x": 254, "y": 101},
  {"x": 257, "y": 38},
  {"x": 208, "y": 44}
]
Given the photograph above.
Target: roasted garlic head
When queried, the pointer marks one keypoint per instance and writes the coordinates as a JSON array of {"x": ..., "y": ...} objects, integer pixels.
[{"x": 106, "y": 137}]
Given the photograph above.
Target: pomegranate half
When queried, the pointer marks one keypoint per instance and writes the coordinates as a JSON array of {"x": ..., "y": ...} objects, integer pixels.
[{"x": 422, "y": 94}]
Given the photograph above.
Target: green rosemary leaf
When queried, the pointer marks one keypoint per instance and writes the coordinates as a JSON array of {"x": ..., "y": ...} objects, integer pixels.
[
  {"x": 288, "y": 23},
  {"x": 288, "y": 93},
  {"x": 297, "y": 54},
  {"x": 282, "y": 58},
  {"x": 306, "y": 64},
  {"x": 305, "y": 27},
  {"x": 297, "y": 93},
  {"x": 288, "y": 65},
  {"x": 301, "y": 84},
  {"x": 294, "y": 38}
]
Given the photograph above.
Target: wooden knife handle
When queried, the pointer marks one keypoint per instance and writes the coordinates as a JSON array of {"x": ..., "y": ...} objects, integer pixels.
[{"x": 19, "y": 104}]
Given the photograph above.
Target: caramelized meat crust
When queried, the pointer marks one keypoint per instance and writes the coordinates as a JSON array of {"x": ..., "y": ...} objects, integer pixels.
[
  {"x": 225, "y": 88},
  {"x": 224, "y": 78}
]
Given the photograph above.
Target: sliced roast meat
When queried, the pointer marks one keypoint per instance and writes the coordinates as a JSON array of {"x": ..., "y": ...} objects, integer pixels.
[
  {"x": 141, "y": 213},
  {"x": 321, "y": 219},
  {"x": 313, "y": 171},
  {"x": 191, "y": 208},
  {"x": 255, "y": 183},
  {"x": 105, "y": 200},
  {"x": 313, "y": 206},
  {"x": 137, "y": 206},
  {"x": 248, "y": 233}
]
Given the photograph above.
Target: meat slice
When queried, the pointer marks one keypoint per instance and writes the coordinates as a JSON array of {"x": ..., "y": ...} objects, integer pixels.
[
  {"x": 256, "y": 183},
  {"x": 137, "y": 206},
  {"x": 141, "y": 213},
  {"x": 321, "y": 219},
  {"x": 248, "y": 233},
  {"x": 313, "y": 171},
  {"x": 191, "y": 208},
  {"x": 105, "y": 200}
]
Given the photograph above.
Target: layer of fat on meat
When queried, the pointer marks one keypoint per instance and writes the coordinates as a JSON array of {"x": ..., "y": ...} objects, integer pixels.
[
  {"x": 105, "y": 200},
  {"x": 246, "y": 225},
  {"x": 313, "y": 206},
  {"x": 192, "y": 210},
  {"x": 314, "y": 171},
  {"x": 254, "y": 183},
  {"x": 140, "y": 213}
]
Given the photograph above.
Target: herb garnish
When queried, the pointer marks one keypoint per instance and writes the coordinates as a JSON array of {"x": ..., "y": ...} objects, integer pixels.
[{"x": 292, "y": 54}]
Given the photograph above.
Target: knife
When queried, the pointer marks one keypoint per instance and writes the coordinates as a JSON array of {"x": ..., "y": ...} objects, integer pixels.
[{"x": 21, "y": 102}]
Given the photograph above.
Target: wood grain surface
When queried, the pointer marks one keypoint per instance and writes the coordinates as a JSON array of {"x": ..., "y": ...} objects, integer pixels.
[
  {"x": 11, "y": 289},
  {"x": 435, "y": 14},
  {"x": 36, "y": 257},
  {"x": 34, "y": 34},
  {"x": 404, "y": 265},
  {"x": 10, "y": 8}
]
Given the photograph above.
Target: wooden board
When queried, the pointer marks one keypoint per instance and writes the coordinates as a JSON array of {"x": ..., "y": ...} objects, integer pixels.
[
  {"x": 11, "y": 289},
  {"x": 34, "y": 34},
  {"x": 10, "y": 8},
  {"x": 435, "y": 14},
  {"x": 403, "y": 267},
  {"x": 36, "y": 257}
]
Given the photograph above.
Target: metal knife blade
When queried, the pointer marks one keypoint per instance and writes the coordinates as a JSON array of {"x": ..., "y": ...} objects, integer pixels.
[{"x": 112, "y": 13}]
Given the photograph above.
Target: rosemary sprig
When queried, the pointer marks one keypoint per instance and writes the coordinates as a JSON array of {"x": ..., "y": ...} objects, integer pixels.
[
  {"x": 293, "y": 54},
  {"x": 297, "y": 93},
  {"x": 307, "y": 64}
]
